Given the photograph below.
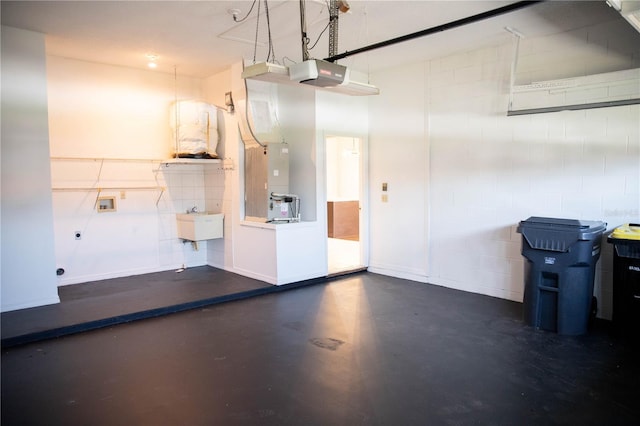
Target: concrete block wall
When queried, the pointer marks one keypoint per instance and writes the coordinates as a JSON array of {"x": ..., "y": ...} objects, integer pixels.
[{"x": 487, "y": 171}]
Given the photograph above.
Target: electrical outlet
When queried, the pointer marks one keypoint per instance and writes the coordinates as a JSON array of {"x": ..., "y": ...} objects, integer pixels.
[
  {"x": 123, "y": 195},
  {"x": 78, "y": 235},
  {"x": 385, "y": 198}
]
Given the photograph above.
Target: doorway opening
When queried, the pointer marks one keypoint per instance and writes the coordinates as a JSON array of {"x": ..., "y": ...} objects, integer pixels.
[{"x": 344, "y": 204}]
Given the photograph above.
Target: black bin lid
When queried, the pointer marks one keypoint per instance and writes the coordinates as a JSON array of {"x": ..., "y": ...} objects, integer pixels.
[
  {"x": 558, "y": 234},
  {"x": 556, "y": 223}
]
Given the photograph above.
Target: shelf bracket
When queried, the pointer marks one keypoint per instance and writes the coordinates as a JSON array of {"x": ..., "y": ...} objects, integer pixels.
[
  {"x": 160, "y": 196},
  {"x": 95, "y": 204}
]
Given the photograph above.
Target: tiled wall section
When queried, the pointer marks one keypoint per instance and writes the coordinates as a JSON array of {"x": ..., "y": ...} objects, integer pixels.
[{"x": 185, "y": 190}]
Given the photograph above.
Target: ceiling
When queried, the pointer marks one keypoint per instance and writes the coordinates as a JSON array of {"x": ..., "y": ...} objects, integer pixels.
[{"x": 201, "y": 38}]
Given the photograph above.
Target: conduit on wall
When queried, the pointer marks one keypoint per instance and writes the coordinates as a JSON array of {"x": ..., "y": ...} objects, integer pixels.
[
  {"x": 618, "y": 88},
  {"x": 573, "y": 107}
]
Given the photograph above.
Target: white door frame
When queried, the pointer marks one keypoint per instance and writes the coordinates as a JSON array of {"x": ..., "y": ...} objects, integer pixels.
[{"x": 363, "y": 190}]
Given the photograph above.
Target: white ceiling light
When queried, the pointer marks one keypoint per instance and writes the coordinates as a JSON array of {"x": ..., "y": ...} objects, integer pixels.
[{"x": 152, "y": 57}]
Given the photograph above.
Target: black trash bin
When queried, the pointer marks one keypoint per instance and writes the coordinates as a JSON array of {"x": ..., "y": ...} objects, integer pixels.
[
  {"x": 626, "y": 278},
  {"x": 559, "y": 273}
]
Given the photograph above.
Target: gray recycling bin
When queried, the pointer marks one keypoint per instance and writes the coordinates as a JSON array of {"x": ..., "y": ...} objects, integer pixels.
[{"x": 561, "y": 258}]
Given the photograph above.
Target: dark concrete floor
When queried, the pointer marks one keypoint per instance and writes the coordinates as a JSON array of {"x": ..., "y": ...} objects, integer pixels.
[
  {"x": 363, "y": 349},
  {"x": 108, "y": 302}
]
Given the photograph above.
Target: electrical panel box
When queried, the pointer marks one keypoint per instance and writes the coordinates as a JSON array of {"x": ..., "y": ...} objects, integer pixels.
[{"x": 266, "y": 172}]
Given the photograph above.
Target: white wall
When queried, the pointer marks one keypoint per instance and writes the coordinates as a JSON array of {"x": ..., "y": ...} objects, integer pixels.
[
  {"x": 28, "y": 263},
  {"x": 297, "y": 109},
  {"x": 399, "y": 156},
  {"x": 109, "y": 128},
  {"x": 451, "y": 155},
  {"x": 261, "y": 250},
  {"x": 221, "y": 183}
]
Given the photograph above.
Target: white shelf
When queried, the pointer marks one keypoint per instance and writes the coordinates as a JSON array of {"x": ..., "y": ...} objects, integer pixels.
[{"x": 192, "y": 161}]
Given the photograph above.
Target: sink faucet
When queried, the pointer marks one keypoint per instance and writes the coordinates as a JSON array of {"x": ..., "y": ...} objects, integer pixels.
[{"x": 194, "y": 209}]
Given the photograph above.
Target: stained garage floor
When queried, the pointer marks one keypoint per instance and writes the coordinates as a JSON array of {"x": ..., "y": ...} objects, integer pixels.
[{"x": 363, "y": 349}]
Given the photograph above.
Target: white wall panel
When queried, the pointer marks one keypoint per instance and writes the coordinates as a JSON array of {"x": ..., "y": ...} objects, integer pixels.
[
  {"x": 28, "y": 263},
  {"x": 399, "y": 157}
]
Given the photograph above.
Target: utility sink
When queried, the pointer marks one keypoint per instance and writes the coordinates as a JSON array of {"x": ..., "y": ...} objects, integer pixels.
[{"x": 200, "y": 226}]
